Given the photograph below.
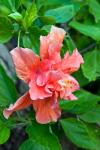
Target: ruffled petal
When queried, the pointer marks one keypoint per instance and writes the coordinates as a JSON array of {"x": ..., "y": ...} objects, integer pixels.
[
  {"x": 44, "y": 47},
  {"x": 53, "y": 77},
  {"x": 38, "y": 92},
  {"x": 51, "y": 44},
  {"x": 47, "y": 110},
  {"x": 21, "y": 103},
  {"x": 25, "y": 61},
  {"x": 71, "y": 63},
  {"x": 44, "y": 84}
]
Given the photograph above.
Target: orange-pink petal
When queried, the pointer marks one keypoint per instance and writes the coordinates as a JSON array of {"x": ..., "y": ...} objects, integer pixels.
[
  {"x": 46, "y": 111},
  {"x": 25, "y": 61},
  {"x": 44, "y": 47},
  {"x": 38, "y": 92},
  {"x": 21, "y": 103},
  {"x": 51, "y": 44},
  {"x": 71, "y": 63},
  {"x": 69, "y": 85},
  {"x": 71, "y": 97}
]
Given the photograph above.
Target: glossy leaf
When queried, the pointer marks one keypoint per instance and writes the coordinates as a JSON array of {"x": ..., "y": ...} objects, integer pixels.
[
  {"x": 67, "y": 11},
  {"x": 91, "y": 66},
  {"x": 80, "y": 134},
  {"x": 85, "y": 102},
  {"x": 7, "y": 89},
  {"x": 92, "y": 31},
  {"x": 92, "y": 116},
  {"x": 40, "y": 138}
]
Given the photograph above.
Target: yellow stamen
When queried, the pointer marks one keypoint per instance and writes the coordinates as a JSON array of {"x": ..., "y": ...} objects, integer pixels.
[{"x": 65, "y": 83}]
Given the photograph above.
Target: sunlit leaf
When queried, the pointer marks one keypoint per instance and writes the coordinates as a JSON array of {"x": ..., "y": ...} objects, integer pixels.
[
  {"x": 4, "y": 133},
  {"x": 30, "y": 16},
  {"x": 16, "y": 16}
]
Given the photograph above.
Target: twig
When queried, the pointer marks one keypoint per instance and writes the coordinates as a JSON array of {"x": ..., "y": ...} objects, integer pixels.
[{"x": 87, "y": 48}]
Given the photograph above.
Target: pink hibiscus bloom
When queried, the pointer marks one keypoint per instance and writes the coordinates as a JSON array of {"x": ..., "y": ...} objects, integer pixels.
[{"x": 48, "y": 76}]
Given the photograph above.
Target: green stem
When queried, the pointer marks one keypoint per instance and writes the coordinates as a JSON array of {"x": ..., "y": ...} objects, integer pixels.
[
  {"x": 20, "y": 124},
  {"x": 19, "y": 34}
]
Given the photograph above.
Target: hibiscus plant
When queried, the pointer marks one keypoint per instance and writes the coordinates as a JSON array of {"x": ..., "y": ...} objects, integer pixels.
[{"x": 55, "y": 59}]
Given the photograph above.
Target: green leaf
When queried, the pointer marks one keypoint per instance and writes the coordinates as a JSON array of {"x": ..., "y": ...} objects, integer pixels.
[
  {"x": 94, "y": 6},
  {"x": 91, "y": 66},
  {"x": 31, "y": 39},
  {"x": 61, "y": 14},
  {"x": 86, "y": 101},
  {"x": 46, "y": 28},
  {"x": 11, "y": 4},
  {"x": 16, "y": 16},
  {"x": 29, "y": 145},
  {"x": 70, "y": 44},
  {"x": 7, "y": 89},
  {"x": 88, "y": 30},
  {"x": 80, "y": 134},
  {"x": 40, "y": 138},
  {"x": 92, "y": 116},
  {"x": 6, "y": 30},
  {"x": 80, "y": 78},
  {"x": 30, "y": 16},
  {"x": 4, "y": 11},
  {"x": 4, "y": 133},
  {"x": 53, "y": 3},
  {"x": 27, "y": 42},
  {"x": 47, "y": 20}
]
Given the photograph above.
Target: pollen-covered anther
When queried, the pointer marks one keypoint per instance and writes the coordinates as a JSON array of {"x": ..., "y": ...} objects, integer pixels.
[{"x": 65, "y": 83}]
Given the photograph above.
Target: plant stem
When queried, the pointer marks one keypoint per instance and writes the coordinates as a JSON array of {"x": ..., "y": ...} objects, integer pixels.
[
  {"x": 88, "y": 48},
  {"x": 19, "y": 34}
]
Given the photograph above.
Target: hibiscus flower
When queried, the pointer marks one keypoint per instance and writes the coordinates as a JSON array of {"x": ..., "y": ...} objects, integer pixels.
[{"x": 48, "y": 76}]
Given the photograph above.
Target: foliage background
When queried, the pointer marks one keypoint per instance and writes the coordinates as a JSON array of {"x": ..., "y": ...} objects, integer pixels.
[{"x": 21, "y": 23}]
